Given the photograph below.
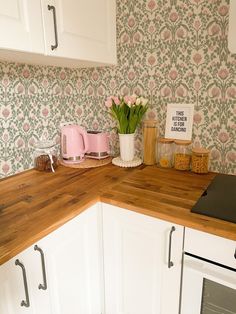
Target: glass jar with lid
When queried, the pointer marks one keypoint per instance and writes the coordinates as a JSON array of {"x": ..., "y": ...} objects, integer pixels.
[
  {"x": 150, "y": 130},
  {"x": 182, "y": 154},
  {"x": 200, "y": 160},
  {"x": 165, "y": 152},
  {"x": 45, "y": 156}
]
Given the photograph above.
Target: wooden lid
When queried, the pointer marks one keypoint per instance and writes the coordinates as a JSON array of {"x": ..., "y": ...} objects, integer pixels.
[
  {"x": 165, "y": 140},
  {"x": 200, "y": 150},
  {"x": 182, "y": 142}
]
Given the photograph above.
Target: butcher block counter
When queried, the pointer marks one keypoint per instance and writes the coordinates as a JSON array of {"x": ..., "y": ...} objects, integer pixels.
[{"x": 33, "y": 204}]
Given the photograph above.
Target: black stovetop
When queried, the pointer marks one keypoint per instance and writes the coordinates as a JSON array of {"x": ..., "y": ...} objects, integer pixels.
[{"x": 219, "y": 199}]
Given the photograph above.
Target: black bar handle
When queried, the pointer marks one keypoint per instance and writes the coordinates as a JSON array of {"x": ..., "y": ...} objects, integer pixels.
[
  {"x": 170, "y": 263},
  {"x": 51, "y": 7},
  {"x": 25, "y": 302},
  {"x": 44, "y": 285},
  {"x": 235, "y": 254}
]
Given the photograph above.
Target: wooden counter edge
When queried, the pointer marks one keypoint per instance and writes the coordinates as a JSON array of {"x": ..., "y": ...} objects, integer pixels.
[
  {"x": 12, "y": 252},
  {"x": 197, "y": 221}
]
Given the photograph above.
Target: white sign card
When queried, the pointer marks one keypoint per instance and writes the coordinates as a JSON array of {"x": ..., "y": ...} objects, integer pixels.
[{"x": 179, "y": 121}]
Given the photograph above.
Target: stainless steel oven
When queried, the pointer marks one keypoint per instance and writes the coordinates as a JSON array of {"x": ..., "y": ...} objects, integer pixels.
[{"x": 209, "y": 274}]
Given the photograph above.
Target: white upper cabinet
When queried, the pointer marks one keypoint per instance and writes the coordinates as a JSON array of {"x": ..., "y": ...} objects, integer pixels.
[
  {"x": 58, "y": 32},
  {"x": 21, "y": 25},
  {"x": 232, "y": 27},
  {"x": 80, "y": 29}
]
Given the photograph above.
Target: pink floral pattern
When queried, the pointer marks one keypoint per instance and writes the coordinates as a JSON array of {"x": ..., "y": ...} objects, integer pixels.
[{"x": 168, "y": 51}]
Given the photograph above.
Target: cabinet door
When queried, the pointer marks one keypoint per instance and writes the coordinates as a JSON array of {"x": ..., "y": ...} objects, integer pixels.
[
  {"x": 86, "y": 29},
  {"x": 13, "y": 289},
  {"x": 136, "y": 251},
  {"x": 74, "y": 268},
  {"x": 21, "y": 25}
]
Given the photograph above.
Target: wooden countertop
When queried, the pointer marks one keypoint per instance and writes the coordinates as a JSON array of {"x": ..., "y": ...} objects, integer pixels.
[{"x": 33, "y": 204}]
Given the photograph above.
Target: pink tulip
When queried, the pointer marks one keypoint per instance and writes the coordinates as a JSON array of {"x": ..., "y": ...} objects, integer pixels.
[
  {"x": 130, "y": 100},
  {"x": 108, "y": 103},
  {"x": 127, "y": 99},
  {"x": 133, "y": 99},
  {"x": 116, "y": 100}
]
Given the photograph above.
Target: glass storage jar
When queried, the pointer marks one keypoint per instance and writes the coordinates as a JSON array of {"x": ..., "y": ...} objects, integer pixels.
[
  {"x": 182, "y": 155},
  {"x": 165, "y": 152},
  {"x": 150, "y": 130},
  {"x": 200, "y": 160},
  {"x": 45, "y": 156}
]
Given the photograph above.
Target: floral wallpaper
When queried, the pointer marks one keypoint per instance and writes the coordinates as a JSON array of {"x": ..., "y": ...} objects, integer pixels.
[{"x": 168, "y": 51}]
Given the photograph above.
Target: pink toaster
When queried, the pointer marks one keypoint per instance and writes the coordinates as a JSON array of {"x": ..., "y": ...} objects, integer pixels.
[{"x": 98, "y": 145}]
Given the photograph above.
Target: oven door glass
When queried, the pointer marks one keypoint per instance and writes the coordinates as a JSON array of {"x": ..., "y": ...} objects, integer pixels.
[{"x": 207, "y": 288}]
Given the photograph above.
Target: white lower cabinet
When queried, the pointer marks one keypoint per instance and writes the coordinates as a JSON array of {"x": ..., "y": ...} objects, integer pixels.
[
  {"x": 20, "y": 278},
  {"x": 129, "y": 260},
  {"x": 73, "y": 279},
  {"x": 74, "y": 269},
  {"x": 142, "y": 263}
]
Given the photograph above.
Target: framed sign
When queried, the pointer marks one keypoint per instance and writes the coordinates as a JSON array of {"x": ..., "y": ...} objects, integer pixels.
[{"x": 179, "y": 121}]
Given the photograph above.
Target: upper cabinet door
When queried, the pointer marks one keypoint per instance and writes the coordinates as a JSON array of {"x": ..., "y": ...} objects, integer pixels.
[
  {"x": 232, "y": 27},
  {"x": 21, "y": 25},
  {"x": 83, "y": 29}
]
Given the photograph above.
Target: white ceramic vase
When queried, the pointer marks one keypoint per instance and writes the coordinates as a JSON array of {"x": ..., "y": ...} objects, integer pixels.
[{"x": 126, "y": 146}]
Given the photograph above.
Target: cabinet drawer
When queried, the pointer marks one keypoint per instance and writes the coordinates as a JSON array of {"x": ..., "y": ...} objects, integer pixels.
[{"x": 210, "y": 247}]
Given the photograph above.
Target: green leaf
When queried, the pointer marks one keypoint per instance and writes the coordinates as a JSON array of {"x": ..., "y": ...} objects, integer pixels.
[{"x": 128, "y": 118}]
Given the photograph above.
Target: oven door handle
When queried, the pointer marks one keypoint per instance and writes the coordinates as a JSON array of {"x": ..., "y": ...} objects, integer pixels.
[{"x": 211, "y": 271}]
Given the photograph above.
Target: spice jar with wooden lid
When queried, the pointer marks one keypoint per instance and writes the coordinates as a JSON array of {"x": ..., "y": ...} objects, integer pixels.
[
  {"x": 150, "y": 132},
  {"x": 182, "y": 155},
  {"x": 165, "y": 152},
  {"x": 200, "y": 160}
]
